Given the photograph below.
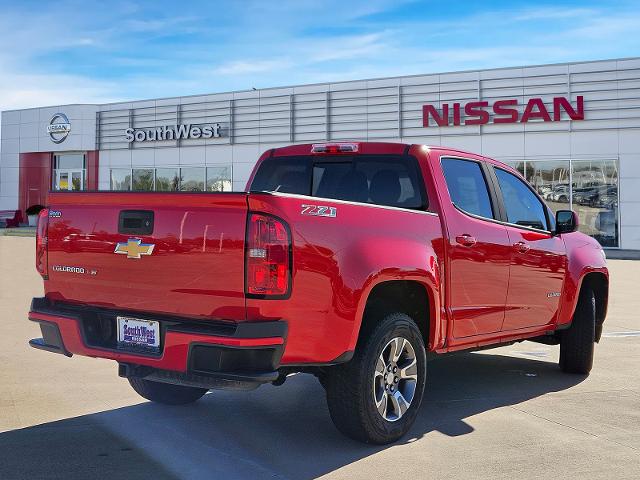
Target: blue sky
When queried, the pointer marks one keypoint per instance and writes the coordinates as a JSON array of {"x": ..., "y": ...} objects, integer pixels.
[{"x": 57, "y": 51}]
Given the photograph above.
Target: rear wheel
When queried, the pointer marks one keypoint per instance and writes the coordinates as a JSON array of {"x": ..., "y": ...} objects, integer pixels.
[
  {"x": 375, "y": 397},
  {"x": 577, "y": 343},
  {"x": 166, "y": 393}
]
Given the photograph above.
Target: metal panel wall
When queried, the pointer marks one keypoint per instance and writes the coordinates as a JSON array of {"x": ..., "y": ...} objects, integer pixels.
[{"x": 386, "y": 108}]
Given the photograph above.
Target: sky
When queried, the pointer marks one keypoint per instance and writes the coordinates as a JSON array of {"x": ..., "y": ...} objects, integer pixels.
[{"x": 58, "y": 52}]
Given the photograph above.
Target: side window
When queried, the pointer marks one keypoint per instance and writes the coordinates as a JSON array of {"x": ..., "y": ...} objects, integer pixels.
[
  {"x": 523, "y": 207},
  {"x": 467, "y": 186}
]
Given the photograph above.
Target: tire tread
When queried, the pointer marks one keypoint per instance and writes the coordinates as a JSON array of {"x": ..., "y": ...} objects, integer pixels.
[
  {"x": 166, "y": 393},
  {"x": 345, "y": 384},
  {"x": 577, "y": 343}
]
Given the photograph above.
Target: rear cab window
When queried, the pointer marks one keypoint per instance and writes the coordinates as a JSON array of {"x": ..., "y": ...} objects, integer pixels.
[{"x": 388, "y": 180}]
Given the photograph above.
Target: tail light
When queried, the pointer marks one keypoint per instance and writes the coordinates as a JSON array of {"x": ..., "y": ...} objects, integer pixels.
[
  {"x": 333, "y": 148},
  {"x": 42, "y": 261},
  {"x": 268, "y": 256}
]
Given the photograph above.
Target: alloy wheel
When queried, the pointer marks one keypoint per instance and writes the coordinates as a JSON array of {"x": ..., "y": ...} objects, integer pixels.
[{"x": 395, "y": 379}]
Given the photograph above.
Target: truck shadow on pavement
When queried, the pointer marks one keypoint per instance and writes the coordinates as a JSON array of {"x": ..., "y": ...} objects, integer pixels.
[{"x": 272, "y": 432}]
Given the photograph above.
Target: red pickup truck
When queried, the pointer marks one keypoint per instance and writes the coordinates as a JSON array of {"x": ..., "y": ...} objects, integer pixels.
[{"x": 349, "y": 261}]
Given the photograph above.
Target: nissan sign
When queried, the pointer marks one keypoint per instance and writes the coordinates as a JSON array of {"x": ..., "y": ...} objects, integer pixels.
[
  {"x": 59, "y": 128},
  {"x": 173, "y": 132},
  {"x": 504, "y": 111}
]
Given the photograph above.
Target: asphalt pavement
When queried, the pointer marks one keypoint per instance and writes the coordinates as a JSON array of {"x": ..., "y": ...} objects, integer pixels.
[{"x": 506, "y": 413}]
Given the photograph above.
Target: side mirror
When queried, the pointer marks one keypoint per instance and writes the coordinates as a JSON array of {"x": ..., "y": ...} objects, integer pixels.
[{"x": 566, "y": 221}]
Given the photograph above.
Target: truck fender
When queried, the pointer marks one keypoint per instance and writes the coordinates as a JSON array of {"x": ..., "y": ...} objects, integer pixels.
[
  {"x": 582, "y": 261},
  {"x": 427, "y": 275}
]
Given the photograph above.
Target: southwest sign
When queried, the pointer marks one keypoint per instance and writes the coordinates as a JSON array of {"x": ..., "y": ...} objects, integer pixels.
[
  {"x": 173, "y": 132},
  {"x": 504, "y": 111}
]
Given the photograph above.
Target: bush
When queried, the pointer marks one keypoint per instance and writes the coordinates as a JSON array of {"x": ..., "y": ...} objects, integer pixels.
[{"x": 34, "y": 209}]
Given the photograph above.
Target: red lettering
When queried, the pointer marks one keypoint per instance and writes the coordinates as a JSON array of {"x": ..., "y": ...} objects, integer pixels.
[
  {"x": 530, "y": 113},
  {"x": 456, "y": 114},
  {"x": 561, "y": 103},
  {"x": 505, "y": 111},
  {"x": 476, "y": 109},
  {"x": 508, "y": 115},
  {"x": 442, "y": 120}
]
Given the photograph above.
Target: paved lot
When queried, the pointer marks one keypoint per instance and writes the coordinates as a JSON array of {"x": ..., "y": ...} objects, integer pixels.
[{"x": 506, "y": 413}]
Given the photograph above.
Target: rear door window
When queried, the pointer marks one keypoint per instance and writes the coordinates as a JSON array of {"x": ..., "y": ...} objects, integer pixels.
[
  {"x": 382, "y": 180},
  {"x": 467, "y": 186}
]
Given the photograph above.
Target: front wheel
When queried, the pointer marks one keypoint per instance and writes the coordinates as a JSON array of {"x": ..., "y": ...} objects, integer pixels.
[
  {"x": 166, "y": 393},
  {"x": 375, "y": 397},
  {"x": 577, "y": 343}
]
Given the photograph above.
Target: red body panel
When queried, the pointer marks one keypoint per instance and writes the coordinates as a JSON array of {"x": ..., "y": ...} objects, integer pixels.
[
  {"x": 472, "y": 310},
  {"x": 335, "y": 268},
  {"x": 196, "y": 269},
  {"x": 478, "y": 294}
]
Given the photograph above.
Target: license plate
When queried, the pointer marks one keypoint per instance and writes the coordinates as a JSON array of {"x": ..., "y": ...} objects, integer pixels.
[{"x": 135, "y": 333}]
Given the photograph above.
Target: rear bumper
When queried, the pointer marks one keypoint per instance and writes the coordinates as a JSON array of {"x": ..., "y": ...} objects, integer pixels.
[{"x": 211, "y": 353}]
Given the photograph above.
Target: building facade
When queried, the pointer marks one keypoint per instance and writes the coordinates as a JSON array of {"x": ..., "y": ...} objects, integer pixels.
[{"x": 573, "y": 130}]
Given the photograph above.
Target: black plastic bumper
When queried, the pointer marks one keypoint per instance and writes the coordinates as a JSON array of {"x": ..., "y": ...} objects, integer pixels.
[
  {"x": 210, "y": 365},
  {"x": 51, "y": 340}
]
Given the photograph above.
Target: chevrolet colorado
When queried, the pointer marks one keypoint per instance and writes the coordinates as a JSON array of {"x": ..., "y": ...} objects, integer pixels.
[{"x": 349, "y": 261}]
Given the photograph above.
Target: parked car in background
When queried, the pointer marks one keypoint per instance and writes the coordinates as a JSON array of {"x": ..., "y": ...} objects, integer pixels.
[
  {"x": 591, "y": 196},
  {"x": 560, "y": 193}
]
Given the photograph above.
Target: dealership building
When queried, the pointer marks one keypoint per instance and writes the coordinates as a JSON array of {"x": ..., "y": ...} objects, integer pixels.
[{"x": 572, "y": 129}]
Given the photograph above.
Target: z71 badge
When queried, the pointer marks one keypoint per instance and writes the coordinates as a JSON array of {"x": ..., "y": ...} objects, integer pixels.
[{"x": 319, "y": 211}]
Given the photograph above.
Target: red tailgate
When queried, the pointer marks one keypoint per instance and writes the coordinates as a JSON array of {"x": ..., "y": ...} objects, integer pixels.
[{"x": 195, "y": 267}]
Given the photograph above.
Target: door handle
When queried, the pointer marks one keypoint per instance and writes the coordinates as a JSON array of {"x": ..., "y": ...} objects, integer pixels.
[
  {"x": 521, "y": 247},
  {"x": 466, "y": 240}
]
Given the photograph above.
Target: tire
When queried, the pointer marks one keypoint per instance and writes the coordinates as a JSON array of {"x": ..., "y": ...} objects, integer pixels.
[
  {"x": 577, "y": 343},
  {"x": 356, "y": 389},
  {"x": 166, "y": 393}
]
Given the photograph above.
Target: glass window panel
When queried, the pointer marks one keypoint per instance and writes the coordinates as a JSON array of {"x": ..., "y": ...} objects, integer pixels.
[
  {"x": 76, "y": 181},
  {"x": 167, "y": 179},
  {"x": 120, "y": 179},
  {"x": 522, "y": 205},
  {"x": 551, "y": 180},
  {"x": 467, "y": 186},
  {"x": 70, "y": 161},
  {"x": 143, "y": 179},
  {"x": 519, "y": 166},
  {"x": 62, "y": 181},
  {"x": 283, "y": 174},
  {"x": 388, "y": 180},
  {"x": 219, "y": 179},
  {"x": 595, "y": 199},
  {"x": 192, "y": 179}
]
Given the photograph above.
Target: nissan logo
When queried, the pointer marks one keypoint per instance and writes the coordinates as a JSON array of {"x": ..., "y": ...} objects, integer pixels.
[{"x": 59, "y": 128}]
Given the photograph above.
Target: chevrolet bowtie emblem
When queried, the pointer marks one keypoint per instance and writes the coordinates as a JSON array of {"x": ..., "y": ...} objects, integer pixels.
[{"x": 134, "y": 248}]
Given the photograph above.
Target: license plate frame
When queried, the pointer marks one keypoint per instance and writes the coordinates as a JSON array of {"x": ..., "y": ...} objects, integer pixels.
[{"x": 138, "y": 334}]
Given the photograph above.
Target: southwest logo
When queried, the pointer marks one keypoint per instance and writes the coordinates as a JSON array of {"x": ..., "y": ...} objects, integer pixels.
[{"x": 134, "y": 248}]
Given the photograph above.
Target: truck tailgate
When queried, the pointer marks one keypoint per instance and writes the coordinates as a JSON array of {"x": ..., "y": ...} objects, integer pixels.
[{"x": 191, "y": 264}]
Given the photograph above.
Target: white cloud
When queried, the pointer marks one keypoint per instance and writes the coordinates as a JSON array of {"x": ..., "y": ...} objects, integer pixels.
[
  {"x": 243, "y": 67},
  {"x": 549, "y": 13},
  {"x": 347, "y": 47}
]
